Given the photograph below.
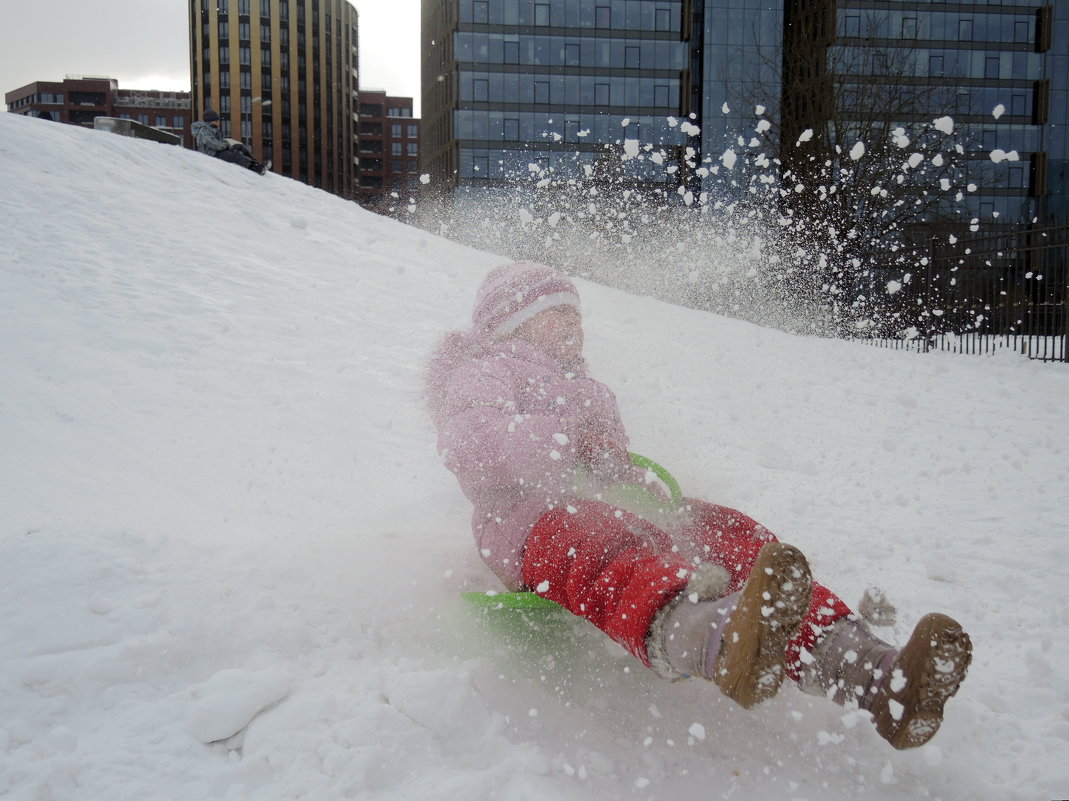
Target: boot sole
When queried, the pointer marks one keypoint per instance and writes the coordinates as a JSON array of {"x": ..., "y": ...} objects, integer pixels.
[
  {"x": 751, "y": 665},
  {"x": 933, "y": 664}
]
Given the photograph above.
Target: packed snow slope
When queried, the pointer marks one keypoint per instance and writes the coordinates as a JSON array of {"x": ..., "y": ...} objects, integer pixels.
[{"x": 230, "y": 561}]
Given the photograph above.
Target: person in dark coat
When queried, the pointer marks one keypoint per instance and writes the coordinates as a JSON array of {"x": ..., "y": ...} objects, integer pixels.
[{"x": 210, "y": 140}]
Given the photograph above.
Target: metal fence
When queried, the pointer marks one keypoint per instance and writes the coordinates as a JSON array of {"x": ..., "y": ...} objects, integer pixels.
[{"x": 991, "y": 293}]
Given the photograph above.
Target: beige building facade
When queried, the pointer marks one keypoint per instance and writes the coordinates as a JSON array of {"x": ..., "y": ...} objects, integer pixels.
[{"x": 283, "y": 75}]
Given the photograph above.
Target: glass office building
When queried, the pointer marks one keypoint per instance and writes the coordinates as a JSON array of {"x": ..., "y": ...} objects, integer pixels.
[
  {"x": 564, "y": 83},
  {"x": 997, "y": 69},
  {"x": 558, "y": 85}
]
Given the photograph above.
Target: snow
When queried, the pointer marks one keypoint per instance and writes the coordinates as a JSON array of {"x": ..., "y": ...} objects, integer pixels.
[
  {"x": 224, "y": 517},
  {"x": 944, "y": 125}
]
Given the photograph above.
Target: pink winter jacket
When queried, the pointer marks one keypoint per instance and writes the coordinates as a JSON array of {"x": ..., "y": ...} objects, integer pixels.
[{"x": 510, "y": 421}]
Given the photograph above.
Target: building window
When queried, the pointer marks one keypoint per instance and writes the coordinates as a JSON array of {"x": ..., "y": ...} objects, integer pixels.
[
  {"x": 143, "y": 119},
  {"x": 660, "y": 96},
  {"x": 413, "y": 149},
  {"x": 541, "y": 16},
  {"x": 224, "y": 54},
  {"x": 481, "y": 166},
  {"x": 480, "y": 11},
  {"x": 179, "y": 121},
  {"x": 512, "y": 50},
  {"x": 909, "y": 28},
  {"x": 395, "y": 130},
  {"x": 244, "y": 31},
  {"x": 243, "y": 6},
  {"x": 991, "y": 67},
  {"x": 413, "y": 165},
  {"x": 161, "y": 122},
  {"x": 413, "y": 131},
  {"x": 512, "y": 130},
  {"x": 1017, "y": 105},
  {"x": 965, "y": 30},
  {"x": 1020, "y": 31},
  {"x": 571, "y": 55},
  {"x": 397, "y": 149},
  {"x": 601, "y": 94},
  {"x": 852, "y": 25},
  {"x": 541, "y": 91},
  {"x": 663, "y": 19},
  {"x": 481, "y": 89},
  {"x": 935, "y": 65},
  {"x": 245, "y": 54},
  {"x": 603, "y": 17},
  {"x": 632, "y": 57}
]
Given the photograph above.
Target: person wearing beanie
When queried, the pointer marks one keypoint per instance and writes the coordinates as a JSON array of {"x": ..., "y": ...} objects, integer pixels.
[
  {"x": 689, "y": 588},
  {"x": 209, "y": 140}
]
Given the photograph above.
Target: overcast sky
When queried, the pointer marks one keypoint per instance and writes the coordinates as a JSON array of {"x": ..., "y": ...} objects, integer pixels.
[{"x": 144, "y": 44}]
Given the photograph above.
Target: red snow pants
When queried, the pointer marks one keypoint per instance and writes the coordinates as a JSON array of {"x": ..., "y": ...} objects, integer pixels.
[{"x": 617, "y": 570}]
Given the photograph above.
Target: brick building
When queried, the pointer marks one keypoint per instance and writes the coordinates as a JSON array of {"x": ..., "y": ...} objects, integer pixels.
[
  {"x": 389, "y": 150},
  {"x": 78, "y": 100}
]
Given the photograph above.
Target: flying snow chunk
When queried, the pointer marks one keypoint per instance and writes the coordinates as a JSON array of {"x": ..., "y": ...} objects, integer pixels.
[
  {"x": 893, "y": 287},
  {"x": 857, "y": 151},
  {"x": 543, "y": 587},
  {"x": 915, "y": 160},
  {"x": 625, "y": 122},
  {"x": 944, "y": 124},
  {"x": 726, "y": 109},
  {"x": 998, "y": 155},
  {"x": 697, "y": 731},
  {"x": 805, "y": 136},
  {"x": 998, "y": 111},
  {"x": 759, "y": 110},
  {"x": 425, "y": 179},
  {"x": 763, "y": 125},
  {"x": 729, "y": 158},
  {"x": 631, "y": 147}
]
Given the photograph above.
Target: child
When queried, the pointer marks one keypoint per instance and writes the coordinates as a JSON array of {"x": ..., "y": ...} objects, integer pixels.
[
  {"x": 209, "y": 140},
  {"x": 695, "y": 590}
]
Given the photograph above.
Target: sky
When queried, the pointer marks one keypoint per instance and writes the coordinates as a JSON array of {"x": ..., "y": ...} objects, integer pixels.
[{"x": 144, "y": 44}]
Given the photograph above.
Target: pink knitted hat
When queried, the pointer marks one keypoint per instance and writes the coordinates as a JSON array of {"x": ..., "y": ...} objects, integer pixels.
[{"x": 514, "y": 293}]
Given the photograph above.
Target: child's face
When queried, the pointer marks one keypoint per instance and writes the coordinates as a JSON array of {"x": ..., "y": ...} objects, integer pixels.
[{"x": 558, "y": 329}]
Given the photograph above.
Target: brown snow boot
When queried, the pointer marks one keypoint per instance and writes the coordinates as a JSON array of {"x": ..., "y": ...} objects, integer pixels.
[
  {"x": 737, "y": 641},
  {"x": 904, "y": 689}
]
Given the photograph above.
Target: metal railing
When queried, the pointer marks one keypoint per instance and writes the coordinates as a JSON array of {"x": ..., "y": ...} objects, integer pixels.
[{"x": 990, "y": 293}]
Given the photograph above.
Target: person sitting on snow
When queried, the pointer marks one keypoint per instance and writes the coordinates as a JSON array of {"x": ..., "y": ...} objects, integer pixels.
[
  {"x": 210, "y": 140},
  {"x": 690, "y": 589}
]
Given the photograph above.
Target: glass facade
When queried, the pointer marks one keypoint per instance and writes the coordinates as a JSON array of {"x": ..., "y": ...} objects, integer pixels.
[
  {"x": 563, "y": 84},
  {"x": 990, "y": 67},
  {"x": 551, "y": 83}
]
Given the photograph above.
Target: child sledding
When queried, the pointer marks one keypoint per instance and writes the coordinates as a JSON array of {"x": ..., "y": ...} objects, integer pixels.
[
  {"x": 690, "y": 589},
  {"x": 210, "y": 141}
]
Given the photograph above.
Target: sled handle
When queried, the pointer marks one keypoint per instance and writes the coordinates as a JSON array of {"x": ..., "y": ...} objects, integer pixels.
[{"x": 669, "y": 480}]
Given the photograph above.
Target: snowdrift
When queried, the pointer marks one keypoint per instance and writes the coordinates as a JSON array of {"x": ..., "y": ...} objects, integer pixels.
[{"x": 230, "y": 562}]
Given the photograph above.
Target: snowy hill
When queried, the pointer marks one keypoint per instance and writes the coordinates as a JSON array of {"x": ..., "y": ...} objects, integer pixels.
[{"x": 230, "y": 562}]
